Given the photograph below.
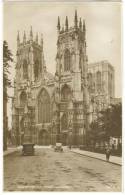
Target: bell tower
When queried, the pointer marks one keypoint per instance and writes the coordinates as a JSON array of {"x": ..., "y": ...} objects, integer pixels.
[
  {"x": 30, "y": 68},
  {"x": 30, "y": 58},
  {"x": 71, "y": 53},
  {"x": 71, "y": 74}
]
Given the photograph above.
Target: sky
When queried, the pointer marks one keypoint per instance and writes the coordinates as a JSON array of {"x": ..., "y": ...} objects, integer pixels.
[{"x": 103, "y": 29}]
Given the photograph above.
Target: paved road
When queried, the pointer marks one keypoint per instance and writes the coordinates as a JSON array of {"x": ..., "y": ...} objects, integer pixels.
[{"x": 53, "y": 171}]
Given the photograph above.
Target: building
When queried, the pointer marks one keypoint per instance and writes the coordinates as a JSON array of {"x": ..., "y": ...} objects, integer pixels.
[
  {"x": 60, "y": 107},
  {"x": 100, "y": 86},
  {"x": 115, "y": 101}
]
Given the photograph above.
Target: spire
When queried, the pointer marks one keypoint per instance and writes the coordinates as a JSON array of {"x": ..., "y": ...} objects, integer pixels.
[
  {"x": 75, "y": 19},
  {"x": 80, "y": 24},
  {"x": 31, "y": 34},
  {"x": 37, "y": 38},
  {"x": 58, "y": 24},
  {"x": 66, "y": 24},
  {"x": 84, "y": 29},
  {"x": 24, "y": 38},
  {"x": 18, "y": 39}
]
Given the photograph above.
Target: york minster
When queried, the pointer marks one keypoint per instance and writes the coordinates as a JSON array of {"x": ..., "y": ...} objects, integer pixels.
[
  {"x": 62, "y": 96},
  {"x": 59, "y": 107}
]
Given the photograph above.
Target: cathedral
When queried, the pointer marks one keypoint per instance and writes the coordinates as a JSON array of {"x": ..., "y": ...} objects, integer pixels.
[{"x": 60, "y": 107}]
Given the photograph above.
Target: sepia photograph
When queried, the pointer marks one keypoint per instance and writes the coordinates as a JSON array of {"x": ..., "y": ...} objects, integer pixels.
[{"x": 62, "y": 96}]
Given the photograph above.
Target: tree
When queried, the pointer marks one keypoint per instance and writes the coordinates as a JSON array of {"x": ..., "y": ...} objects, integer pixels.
[
  {"x": 112, "y": 120},
  {"x": 7, "y": 59},
  {"x": 94, "y": 130},
  {"x": 108, "y": 124}
]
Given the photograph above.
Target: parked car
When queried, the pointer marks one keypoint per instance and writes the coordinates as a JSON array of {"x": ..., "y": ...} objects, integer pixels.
[
  {"x": 58, "y": 147},
  {"x": 28, "y": 149},
  {"x": 28, "y": 146}
]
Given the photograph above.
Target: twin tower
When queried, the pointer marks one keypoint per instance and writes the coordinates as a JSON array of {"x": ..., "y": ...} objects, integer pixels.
[
  {"x": 71, "y": 58},
  {"x": 59, "y": 100}
]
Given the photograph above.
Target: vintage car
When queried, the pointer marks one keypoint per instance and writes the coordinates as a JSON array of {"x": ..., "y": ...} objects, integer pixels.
[
  {"x": 58, "y": 147},
  {"x": 28, "y": 149},
  {"x": 28, "y": 146}
]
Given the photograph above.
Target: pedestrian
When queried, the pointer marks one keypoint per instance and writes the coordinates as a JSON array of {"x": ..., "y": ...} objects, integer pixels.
[{"x": 108, "y": 153}]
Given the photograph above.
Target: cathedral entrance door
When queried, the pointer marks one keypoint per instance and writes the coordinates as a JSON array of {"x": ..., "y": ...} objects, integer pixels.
[
  {"x": 64, "y": 139},
  {"x": 43, "y": 137}
]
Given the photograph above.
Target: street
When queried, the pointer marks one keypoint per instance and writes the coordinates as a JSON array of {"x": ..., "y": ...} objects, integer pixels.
[{"x": 55, "y": 171}]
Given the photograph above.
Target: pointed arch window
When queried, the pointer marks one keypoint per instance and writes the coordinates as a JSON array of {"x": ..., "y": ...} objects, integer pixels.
[
  {"x": 110, "y": 83},
  {"x": 67, "y": 60},
  {"x": 43, "y": 107},
  {"x": 65, "y": 93},
  {"x": 36, "y": 69},
  {"x": 80, "y": 59},
  {"x": 23, "y": 99},
  {"x": 91, "y": 82},
  {"x": 25, "y": 69},
  {"x": 98, "y": 78}
]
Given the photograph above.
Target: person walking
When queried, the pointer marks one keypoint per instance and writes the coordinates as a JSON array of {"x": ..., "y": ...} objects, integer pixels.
[{"x": 108, "y": 153}]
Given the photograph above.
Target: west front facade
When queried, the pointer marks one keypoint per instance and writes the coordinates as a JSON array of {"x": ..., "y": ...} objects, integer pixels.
[{"x": 60, "y": 107}]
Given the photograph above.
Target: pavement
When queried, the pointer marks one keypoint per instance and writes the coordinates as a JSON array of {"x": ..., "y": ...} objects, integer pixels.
[
  {"x": 113, "y": 159},
  {"x": 10, "y": 151},
  {"x": 59, "y": 171}
]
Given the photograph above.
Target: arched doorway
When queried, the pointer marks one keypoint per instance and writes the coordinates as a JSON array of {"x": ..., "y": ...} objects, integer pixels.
[{"x": 44, "y": 138}]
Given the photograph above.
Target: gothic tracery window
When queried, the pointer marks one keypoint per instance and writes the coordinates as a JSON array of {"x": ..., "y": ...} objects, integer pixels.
[
  {"x": 36, "y": 69},
  {"x": 80, "y": 59},
  {"x": 44, "y": 107},
  {"x": 98, "y": 77},
  {"x": 67, "y": 60},
  {"x": 25, "y": 69},
  {"x": 90, "y": 81},
  {"x": 23, "y": 98},
  {"x": 110, "y": 83}
]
